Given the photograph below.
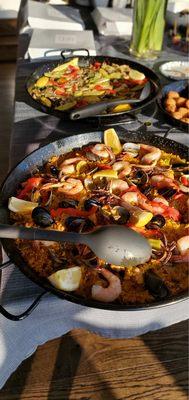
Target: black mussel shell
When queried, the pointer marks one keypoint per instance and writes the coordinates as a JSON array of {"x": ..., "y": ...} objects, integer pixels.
[
  {"x": 180, "y": 166},
  {"x": 79, "y": 224},
  {"x": 140, "y": 177},
  {"x": 123, "y": 217},
  {"x": 42, "y": 217},
  {"x": 145, "y": 189},
  {"x": 167, "y": 192},
  {"x": 69, "y": 203},
  {"x": 155, "y": 285},
  {"x": 89, "y": 203},
  {"x": 158, "y": 221},
  {"x": 54, "y": 170}
]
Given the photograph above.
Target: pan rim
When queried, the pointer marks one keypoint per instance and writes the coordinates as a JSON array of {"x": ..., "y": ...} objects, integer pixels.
[{"x": 70, "y": 297}]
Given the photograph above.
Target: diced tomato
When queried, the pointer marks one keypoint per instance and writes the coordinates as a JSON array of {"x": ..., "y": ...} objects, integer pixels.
[
  {"x": 110, "y": 91},
  {"x": 30, "y": 184},
  {"x": 71, "y": 68},
  {"x": 97, "y": 65},
  {"x": 73, "y": 212}
]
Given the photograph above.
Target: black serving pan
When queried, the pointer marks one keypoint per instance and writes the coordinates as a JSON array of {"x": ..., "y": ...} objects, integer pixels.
[
  {"x": 182, "y": 88},
  {"x": 84, "y": 61},
  {"x": 23, "y": 170}
]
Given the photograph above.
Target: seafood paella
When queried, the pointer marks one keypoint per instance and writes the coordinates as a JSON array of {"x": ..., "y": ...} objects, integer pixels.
[
  {"x": 70, "y": 86},
  {"x": 133, "y": 184}
]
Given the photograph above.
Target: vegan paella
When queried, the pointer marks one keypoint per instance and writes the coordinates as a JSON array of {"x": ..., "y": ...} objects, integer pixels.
[
  {"x": 133, "y": 184},
  {"x": 70, "y": 86}
]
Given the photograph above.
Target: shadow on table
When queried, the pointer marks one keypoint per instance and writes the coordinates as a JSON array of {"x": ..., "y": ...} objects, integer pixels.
[{"x": 169, "y": 345}]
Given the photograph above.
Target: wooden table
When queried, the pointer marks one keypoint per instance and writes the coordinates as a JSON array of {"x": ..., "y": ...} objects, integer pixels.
[{"x": 84, "y": 366}]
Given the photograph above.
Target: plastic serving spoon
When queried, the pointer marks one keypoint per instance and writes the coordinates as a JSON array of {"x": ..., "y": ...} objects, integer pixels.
[
  {"x": 98, "y": 108},
  {"x": 115, "y": 244}
]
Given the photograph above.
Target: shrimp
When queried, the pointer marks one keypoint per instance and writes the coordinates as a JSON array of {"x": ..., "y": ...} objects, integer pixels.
[
  {"x": 162, "y": 181},
  {"x": 137, "y": 198},
  {"x": 118, "y": 186},
  {"x": 68, "y": 166},
  {"x": 150, "y": 154},
  {"x": 183, "y": 248},
  {"x": 71, "y": 187},
  {"x": 110, "y": 293},
  {"x": 123, "y": 167},
  {"x": 100, "y": 150}
]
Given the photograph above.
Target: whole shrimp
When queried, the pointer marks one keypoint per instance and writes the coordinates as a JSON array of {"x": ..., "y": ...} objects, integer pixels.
[
  {"x": 123, "y": 167},
  {"x": 149, "y": 154},
  {"x": 68, "y": 166},
  {"x": 102, "y": 151},
  {"x": 162, "y": 181},
  {"x": 71, "y": 187},
  {"x": 110, "y": 293}
]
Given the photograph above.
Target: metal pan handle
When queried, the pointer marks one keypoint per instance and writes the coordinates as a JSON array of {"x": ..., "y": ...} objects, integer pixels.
[
  {"x": 28, "y": 311},
  {"x": 70, "y": 52}
]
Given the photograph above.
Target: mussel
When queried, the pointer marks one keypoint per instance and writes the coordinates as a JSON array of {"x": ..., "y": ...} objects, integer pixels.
[
  {"x": 181, "y": 167},
  {"x": 154, "y": 284},
  {"x": 120, "y": 215},
  {"x": 54, "y": 170},
  {"x": 42, "y": 217},
  {"x": 140, "y": 177},
  {"x": 89, "y": 203},
  {"x": 158, "y": 221},
  {"x": 79, "y": 224},
  {"x": 167, "y": 192},
  {"x": 68, "y": 203}
]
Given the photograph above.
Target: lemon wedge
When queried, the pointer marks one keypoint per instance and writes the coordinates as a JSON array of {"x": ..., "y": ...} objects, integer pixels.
[
  {"x": 22, "y": 206},
  {"x": 141, "y": 218},
  {"x": 106, "y": 173},
  {"x": 66, "y": 279},
  {"x": 136, "y": 75},
  {"x": 121, "y": 108},
  {"x": 111, "y": 139}
]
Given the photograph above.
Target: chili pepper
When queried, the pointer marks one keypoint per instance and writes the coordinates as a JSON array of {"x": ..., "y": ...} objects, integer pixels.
[
  {"x": 72, "y": 212},
  {"x": 30, "y": 184}
]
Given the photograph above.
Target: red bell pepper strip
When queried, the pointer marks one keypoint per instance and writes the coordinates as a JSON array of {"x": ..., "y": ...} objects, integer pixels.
[
  {"x": 103, "y": 166},
  {"x": 73, "y": 212},
  {"x": 184, "y": 180},
  {"x": 99, "y": 87},
  {"x": 30, "y": 184}
]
